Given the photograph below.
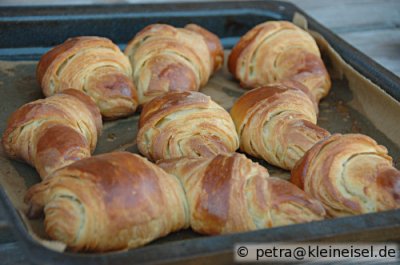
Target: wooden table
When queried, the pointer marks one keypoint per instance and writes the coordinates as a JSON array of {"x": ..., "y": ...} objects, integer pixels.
[{"x": 371, "y": 26}]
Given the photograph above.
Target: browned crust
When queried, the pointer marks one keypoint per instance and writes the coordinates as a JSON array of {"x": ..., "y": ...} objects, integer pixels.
[
  {"x": 255, "y": 96},
  {"x": 167, "y": 59},
  {"x": 170, "y": 102},
  {"x": 217, "y": 185},
  {"x": 371, "y": 184},
  {"x": 126, "y": 201},
  {"x": 47, "y": 59},
  {"x": 303, "y": 66},
  {"x": 230, "y": 193},
  {"x": 90, "y": 104},
  {"x": 213, "y": 43},
  {"x": 109, "y": 86},
  {"x": 57, "y": 140},
  {"x": 242, "y": 44},
  {"x": 299, "y": 172}
]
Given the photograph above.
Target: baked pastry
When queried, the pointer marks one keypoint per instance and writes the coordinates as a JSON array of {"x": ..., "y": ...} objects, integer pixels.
[
  {"x": 95, "y": 66},
  {"x": 275, "y": 51},
  {"x": 109, "y": 202},
  {"x": 277, "y": 123},
  {"x": 349, "y": 174},
  {"x": 165, "y": 58},
  {"x": 185, "y": 124},
  {"x": 229, "y": 193},
  {"x": 53, "y": 132}
]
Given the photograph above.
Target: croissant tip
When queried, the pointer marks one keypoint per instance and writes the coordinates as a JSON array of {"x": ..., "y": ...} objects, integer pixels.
[{"x": 34, "y": 211}]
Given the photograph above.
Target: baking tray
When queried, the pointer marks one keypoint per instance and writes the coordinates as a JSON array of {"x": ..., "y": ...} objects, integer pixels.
[{"x": 27, "y": 32}]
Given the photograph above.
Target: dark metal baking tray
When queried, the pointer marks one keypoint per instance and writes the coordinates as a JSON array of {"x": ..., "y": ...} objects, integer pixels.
[{"x": 27, "y": 32}]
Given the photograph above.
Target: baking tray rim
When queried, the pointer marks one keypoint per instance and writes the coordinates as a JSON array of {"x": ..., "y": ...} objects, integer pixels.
[{"x": 201, "y": 246}]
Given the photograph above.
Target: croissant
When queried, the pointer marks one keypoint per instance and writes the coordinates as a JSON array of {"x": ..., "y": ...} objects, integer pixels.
[
  {"x": 109, "y": 202},
  {"x": 165, "y": 58},
  {"x": 277, "y": 123},
  {"x": 53, "y": 132},
  {"x": 185, "y": 124},
  {"x": 95, "y": 66},
  {"x": 229, "y": 193},
  {"x": 349, "y": 174},
  {"x": 275, "y": 51}
]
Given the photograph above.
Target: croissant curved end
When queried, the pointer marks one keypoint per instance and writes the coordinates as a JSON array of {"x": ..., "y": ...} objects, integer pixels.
[
  {"x": 349, "y": 174},
  {"x": 65, "y": 217}
]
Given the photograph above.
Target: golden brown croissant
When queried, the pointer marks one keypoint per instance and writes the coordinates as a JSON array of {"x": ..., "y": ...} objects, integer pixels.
[
  {"x": 185, "y": 124},
  {"x": 95, "y": 66},
  {"x": 275, "y": 51},
  {"x": 277, "y": 123},
  {"x": 108, "y": 202},
  {"x": 165, "y": 58},
  {"x": 53, "y": 132},
  {"x": 229, "y": 193},
  {"x": 349, "y": 174}
]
